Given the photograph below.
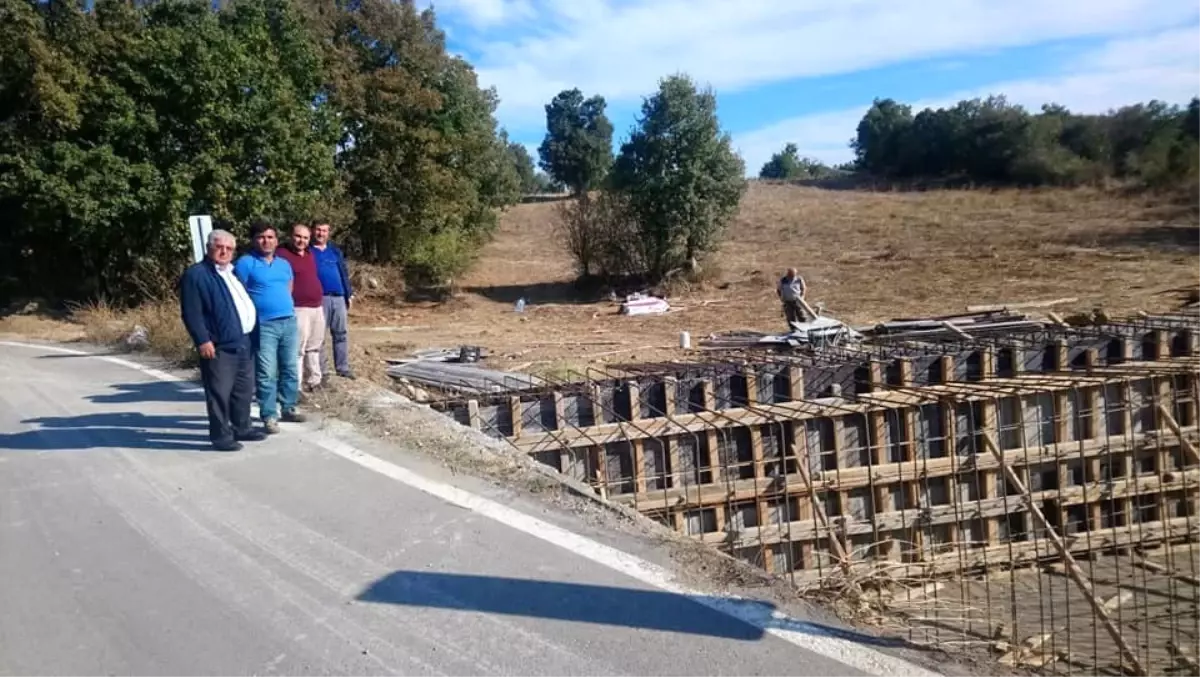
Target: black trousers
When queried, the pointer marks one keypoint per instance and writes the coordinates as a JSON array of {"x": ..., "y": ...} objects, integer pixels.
[
  {"x": 794, "y": 312},
  {"x": 228, "y": 391}
]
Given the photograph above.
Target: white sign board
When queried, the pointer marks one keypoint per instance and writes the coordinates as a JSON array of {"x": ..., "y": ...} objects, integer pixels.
[{"x": 200, "y": 226}]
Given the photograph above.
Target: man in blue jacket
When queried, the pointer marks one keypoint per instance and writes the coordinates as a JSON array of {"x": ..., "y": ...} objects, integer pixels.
[
  {"x": 219, "y": 317},
  {"x": 335, "y": 280}
]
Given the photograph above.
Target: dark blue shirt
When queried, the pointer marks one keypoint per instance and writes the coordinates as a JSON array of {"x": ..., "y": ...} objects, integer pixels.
[
  {"x": 331, "y": 269},
  {"x": 267, "y": 284}
]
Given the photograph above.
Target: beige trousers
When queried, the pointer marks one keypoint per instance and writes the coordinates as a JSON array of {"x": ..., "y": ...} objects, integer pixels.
[{"x": 310, "y": 324}]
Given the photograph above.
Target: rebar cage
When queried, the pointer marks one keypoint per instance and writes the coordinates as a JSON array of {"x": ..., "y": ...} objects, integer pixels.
[{"x": 1033, "y": 492}]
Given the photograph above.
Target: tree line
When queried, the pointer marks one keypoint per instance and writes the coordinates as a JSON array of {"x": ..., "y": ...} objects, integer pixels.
[
  {"x": 118, "y": 119},
  {"x": 991, "y": 141}
]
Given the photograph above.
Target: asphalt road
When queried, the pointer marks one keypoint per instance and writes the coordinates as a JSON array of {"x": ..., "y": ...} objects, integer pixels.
[{"x": 128, "y": 546}]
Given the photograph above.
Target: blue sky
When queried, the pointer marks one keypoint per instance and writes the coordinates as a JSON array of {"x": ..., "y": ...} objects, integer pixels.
[{"x": 803, "y": 71}]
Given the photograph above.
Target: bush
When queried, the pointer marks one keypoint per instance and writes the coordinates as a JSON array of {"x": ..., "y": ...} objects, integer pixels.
[
  {"x": 166, "y": 336},
  {"x": 599, "y": 232}
]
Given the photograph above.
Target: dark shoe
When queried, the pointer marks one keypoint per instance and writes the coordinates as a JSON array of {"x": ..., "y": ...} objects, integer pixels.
[
  {"x": 227, "y": 446},
  {"x": 294, "y": 416},
  {"x": 251, "y": 436},
  {"x": 347, "y": 374}
]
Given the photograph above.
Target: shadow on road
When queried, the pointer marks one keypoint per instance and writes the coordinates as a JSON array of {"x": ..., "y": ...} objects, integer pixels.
[
  {"x": 152, "y": 391},
  {"x": 599, "y": 604},
  {"x": 122, "y": 429}
]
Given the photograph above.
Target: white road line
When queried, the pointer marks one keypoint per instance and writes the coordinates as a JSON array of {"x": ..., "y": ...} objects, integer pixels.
[{"x": 807, "y": 636}]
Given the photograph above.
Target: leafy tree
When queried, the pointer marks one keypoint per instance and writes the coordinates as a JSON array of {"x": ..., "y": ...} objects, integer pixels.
[
  {"x": 787, "y": 164},
  {"x": 680, "y": 176},
  {"x": 577, "y": 148},
  {"x": 547, "y": 184},
  {"x": 118, "y": 120},
  {"x": 419, "y": 151},
  {"x": 880, "y": 133},
  {"x": 138, "y": 117},
  {"x": 522, "y": 163}
]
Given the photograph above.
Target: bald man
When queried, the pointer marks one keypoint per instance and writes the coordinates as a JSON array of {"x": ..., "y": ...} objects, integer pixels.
[
  {"x": 308, "y": 296},
  {"x": 791, "y": 291}
]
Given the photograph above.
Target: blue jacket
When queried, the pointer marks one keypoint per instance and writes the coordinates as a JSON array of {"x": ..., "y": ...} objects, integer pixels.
[
  {"x": 331, "y": 268},
  {"x": 207, "y": 307}
]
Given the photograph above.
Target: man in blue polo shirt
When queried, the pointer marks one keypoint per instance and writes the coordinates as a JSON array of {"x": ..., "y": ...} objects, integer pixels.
[{"x": 268, "y": 280}]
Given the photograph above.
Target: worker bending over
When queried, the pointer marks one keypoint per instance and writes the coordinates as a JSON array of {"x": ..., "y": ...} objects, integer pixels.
[{"x": 791, "y": 291}]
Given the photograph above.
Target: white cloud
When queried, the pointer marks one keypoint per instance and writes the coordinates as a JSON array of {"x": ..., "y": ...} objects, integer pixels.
[
  {"x": 620, "y": 48},
  {"x": 485, "y": 13},
  {"x": 1164, "y": 66}
]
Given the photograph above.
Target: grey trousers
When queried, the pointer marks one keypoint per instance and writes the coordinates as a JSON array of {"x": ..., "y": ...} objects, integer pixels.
[{"x": 335, "y": 319}]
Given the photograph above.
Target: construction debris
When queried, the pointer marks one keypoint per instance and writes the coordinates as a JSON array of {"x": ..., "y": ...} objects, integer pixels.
[
  {"x": 824, "y": 331},
  {"x": 453, "y": 370},
  {"x": 962, "y": 326},
  {"x": 643, "y": 304},
  {"x": 1024, "y": 305},
  {"x": 827, "y": 331}
]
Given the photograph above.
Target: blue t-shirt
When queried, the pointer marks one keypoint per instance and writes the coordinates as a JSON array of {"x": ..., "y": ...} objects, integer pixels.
[{"x": 267, "y": 284}]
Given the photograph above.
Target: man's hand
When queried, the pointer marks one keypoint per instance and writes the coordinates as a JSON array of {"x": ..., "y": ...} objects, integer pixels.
[
  {"x": 348, "y": 300},
  {"x": 207, "y": 350}
]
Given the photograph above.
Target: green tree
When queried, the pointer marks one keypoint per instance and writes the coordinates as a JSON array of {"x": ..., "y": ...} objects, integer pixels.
[
  {"x": 879, "y": 137},
  {"x": 420, "y": 155},
  {"x": 119, "y": 119},
  {"x": 522, "y": 163},
  {"x": 577, "y": 148},
  {"x": 679, "y": 175},
  {"x": 140, "y": 116},
  {"x": 547, "y": 184},
  {"x": 787, "y": 164}
]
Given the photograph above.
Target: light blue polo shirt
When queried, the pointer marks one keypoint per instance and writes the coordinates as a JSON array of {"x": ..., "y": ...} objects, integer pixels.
[{"x": 267, "y": 284}]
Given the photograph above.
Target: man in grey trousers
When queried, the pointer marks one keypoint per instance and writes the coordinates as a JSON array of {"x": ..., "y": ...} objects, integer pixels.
[{"x": 335, "y": 280}]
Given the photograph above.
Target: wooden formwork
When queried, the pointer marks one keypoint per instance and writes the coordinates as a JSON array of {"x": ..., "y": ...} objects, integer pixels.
[{"x": 933, "y": 461}]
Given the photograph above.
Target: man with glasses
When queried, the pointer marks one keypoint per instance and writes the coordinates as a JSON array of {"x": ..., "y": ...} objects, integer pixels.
[{"x": 219, "y": 317}]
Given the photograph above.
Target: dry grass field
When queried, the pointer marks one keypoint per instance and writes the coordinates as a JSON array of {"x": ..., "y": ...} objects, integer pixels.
[{"x": 866, "y": 256}]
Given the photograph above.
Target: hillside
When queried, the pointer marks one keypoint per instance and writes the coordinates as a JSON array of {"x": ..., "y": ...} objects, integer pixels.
[{"x": 866, "y": 256}]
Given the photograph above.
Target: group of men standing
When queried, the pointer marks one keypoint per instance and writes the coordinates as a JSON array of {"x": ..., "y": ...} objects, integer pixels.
[{"x": 259, "y": 325}]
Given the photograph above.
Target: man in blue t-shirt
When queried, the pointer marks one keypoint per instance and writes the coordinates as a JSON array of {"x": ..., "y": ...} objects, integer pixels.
[{"x": 268, "y": 280}]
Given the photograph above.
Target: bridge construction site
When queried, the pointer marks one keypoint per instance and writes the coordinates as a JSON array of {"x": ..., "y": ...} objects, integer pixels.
[{"x": 1029, "y": 489}]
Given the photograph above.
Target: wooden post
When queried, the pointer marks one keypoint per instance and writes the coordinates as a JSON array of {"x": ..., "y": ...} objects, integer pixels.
[
  {"x": 600, "y": 462},
  {"x": 1173, "y": 425},
  {"x": 514, "y": 410},
  {"x": 795, "y": 383},
  {"x": 473, "y": 414},
  {"x": 822, "y": 518}
]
